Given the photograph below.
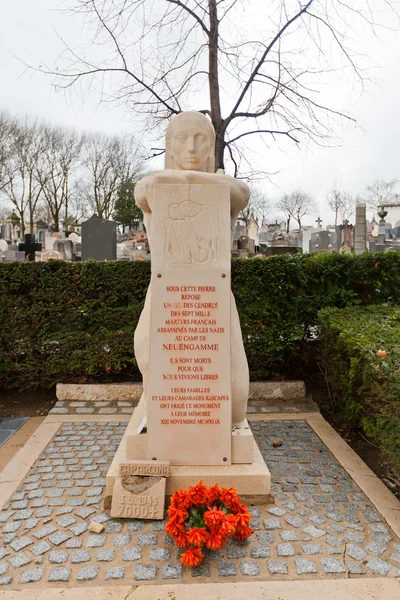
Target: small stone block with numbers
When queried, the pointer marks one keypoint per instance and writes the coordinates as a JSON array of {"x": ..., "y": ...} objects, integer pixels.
[
  {"x": 148, "y": 504},
  {"x": 151, "y": 468}
]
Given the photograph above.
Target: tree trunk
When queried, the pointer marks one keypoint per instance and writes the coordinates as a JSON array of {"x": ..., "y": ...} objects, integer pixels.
[
  {"x": 287, "y": 224},
  {"x": 213, "y": 79}
]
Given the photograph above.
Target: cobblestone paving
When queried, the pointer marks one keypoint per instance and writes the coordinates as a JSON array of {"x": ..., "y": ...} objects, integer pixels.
[
  {"x": 257, "y": 406},
  {"x": 321, "y": 525}
]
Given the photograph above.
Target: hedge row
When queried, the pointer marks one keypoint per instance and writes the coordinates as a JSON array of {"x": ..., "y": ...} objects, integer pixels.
[
  {"x": 362, "y": 354},
  {"x": 64, "y": 321}
]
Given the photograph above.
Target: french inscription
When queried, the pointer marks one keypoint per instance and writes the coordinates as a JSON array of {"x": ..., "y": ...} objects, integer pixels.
[{"x": 150, "y": 468}]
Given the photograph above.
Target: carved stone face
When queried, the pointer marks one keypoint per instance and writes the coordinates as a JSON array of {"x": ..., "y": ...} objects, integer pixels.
[{"x": 189, "y": 143}]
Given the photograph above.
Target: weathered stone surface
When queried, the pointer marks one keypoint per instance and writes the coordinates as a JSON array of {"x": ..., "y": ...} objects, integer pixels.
[
  {"x": 109, "y": 392},
  {"x": 277, "y": 390}
]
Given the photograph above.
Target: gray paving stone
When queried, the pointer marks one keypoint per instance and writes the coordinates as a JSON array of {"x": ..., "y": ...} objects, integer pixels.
[
  {"x": 288, "y": 536},
  {"x": 160, "y": 554},
  {"x": 378, "y": 528},
  {"x": 312, "y": 549},
  {"x": 80, "y": 556},
  {"x": 85, "y": 512},
  {"x": 131, "y": 553},
  {"x": 226, "y": 569},
  {"x": 3, "y": 552},
  {"x": 60, "y": 574},
  {"x": 45, "y": 531},
  {"x": 304, "y": 566},
  {"x": 375, "y": 548},
  {"x": 355, "y": 552},
  {"x": 95, "y": 541},
  {"x": 121, "y": 540},
  {"x": 58, "y": 556},
  {"x": 172, "y": 571},
  {"x": 113, "y": 527},
  {"x": 59, "y": 537},
  {"x": 277, "y": 566},
  {"x": 395, "y": 556},
  {"x": 66, "y": 521},
  {"x": 105, "y": 555},
  {"x": 145, "y": 572},
  {"x": 20, "y": 560},
  {"x": 314, "y": 531},
  {"x": 3, "y": 568},
  {"x": 147, "y": 539},
  {"x": 260, "y": 552},
  {"x": 12, "y": 527},
  {"x": 332, "y": 565},
  {"x": 354, "y": 568},
  {"x": 114, "y": 573},
  {"x": 379, "y": 566},
  {"x": 31, "y": 576},
  {"x": 87, "y": 573},
  {"x": 236, "y": 551},
  {"x": 40, "y": 548},
  {"x": 21, "y": 543},
  {"x": 23, "y": 514},
  {"x": 73, "y": 543},
  {"x": 272, "y": 524},
  {"x": 203, "y": 570},
  {"x": 276, "y": 511},
  {"x": 249, "y": 568},
  {"x": 285, "y": 550},
  {"x": 334, "y": 541},
  {"x": 294, "y": 520},
  {"x": 5, "y": 580},
  {"x": 79, "y": 528}
]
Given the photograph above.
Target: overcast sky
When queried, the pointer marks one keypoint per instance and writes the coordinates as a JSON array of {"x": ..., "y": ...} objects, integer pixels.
[{"x": 30, "y": 30}]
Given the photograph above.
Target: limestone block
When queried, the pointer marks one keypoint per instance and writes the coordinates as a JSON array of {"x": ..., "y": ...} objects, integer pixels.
[
  {"x": 242, "y": 445},
  {"x": 277, "y": 390},
  {"x": 147, "y": 503},
  {"x": 97, "y": 392}
]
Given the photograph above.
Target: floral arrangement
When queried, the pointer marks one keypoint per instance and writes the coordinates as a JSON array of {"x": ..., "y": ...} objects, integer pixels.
[{"x": 206, "y": 516}]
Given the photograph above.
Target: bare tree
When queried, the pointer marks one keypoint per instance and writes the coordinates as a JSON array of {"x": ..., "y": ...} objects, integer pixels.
[
  {"x": 7, "y": 142},
  {"x": 341, "y": 203},
  {"x": 109, "y": 163},
  {"x": 61, "y": 151},
  {"x": 263, "y": 66},
  {"x": 380, "y": 192},
  {"x": 258, "y": 206},
  {"x": 296, "y": 205},
  {"x": 22, "y": 186}
]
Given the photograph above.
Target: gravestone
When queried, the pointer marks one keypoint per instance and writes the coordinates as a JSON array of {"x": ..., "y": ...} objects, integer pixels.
[
  {"x": 29, "y": 246},
  {"x": 63, "y": 248},
  {"x": 99, "y": 239},
  {"x": 50, "y": 254},
  {"x": 188, "y": 342},
  {"x": 323, "y": 241}
]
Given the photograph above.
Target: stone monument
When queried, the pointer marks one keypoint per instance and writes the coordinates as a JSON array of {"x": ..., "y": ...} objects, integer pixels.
[{"x": 188, "y": 342}]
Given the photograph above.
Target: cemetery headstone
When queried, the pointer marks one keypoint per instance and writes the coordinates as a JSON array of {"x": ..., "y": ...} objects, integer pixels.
[
  {"x": 99, "y": 239},
  {"x": 30, "y": 246}
]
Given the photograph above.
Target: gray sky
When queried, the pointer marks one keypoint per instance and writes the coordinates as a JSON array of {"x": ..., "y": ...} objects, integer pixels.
[{"x": 29, "y": 28}]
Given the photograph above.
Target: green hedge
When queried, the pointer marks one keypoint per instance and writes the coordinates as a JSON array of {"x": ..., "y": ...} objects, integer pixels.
[
  {"x": 362, "y": 354},
  {"x": 64, "y": 321}
]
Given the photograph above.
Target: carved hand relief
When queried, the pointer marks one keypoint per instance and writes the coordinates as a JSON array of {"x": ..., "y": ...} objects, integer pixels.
[{"x": 191, "y": 233}]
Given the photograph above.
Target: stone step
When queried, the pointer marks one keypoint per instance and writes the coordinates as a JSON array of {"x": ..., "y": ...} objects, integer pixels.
[{"x": 110, "y": 392}]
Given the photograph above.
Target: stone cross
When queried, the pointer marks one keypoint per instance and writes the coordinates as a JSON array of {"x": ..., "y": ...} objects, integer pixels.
[
  {"x": 319, "y": 221},
  {"x": 29, "y": 246}
]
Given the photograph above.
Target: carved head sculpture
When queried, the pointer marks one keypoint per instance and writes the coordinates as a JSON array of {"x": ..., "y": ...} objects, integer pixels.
[{"x": 190, "y": 143}]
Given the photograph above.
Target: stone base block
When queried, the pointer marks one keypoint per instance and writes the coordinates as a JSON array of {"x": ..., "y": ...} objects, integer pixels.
[
  {"x": 90, "y": 392},
  {"x": 252, "y": 481}
]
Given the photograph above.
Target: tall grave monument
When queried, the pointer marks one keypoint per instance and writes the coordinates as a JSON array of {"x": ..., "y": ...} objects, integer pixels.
[{"x": 190, "y": 423}]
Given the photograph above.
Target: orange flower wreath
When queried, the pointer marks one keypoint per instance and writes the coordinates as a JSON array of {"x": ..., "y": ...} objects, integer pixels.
[{"x": 206, "y": 516}]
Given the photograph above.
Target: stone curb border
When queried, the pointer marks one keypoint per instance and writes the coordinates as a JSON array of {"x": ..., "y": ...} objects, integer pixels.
[
  {"x": 110, "y": 392},
  {"x": 339, "y": 589}
]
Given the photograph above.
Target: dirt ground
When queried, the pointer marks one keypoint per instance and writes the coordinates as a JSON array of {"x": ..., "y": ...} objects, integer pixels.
[{"x": 26, "y": 403}]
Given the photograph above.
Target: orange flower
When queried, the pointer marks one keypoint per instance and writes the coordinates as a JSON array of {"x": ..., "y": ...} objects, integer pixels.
[
  {"x": 230, "y": 497},
  {"x": 197, "y": 536},
  {"x": 180, "y": 499},
  {"x": 192, "y": 557},
  {"x": 243, "y": 518},
  {"x": 181, "y": 540},
  {"x": 173, "y": 528},
  {"x": 177, "y": 514},
  {"x": 228, "y": 525},
  {"x": 198, "y": 493},
  {"x": 213, "y": 517},
  {"x": 243, "y": 533},
  {"x": 215, "y": 540},
  {"x": 213, "y": 494},
  {"x": 382, "y": 353}
]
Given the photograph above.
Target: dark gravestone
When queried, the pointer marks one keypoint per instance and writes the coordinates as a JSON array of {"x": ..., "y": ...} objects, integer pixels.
[
  {"x": 99, "y": 239},
  {"x": 29, "y": 246}
]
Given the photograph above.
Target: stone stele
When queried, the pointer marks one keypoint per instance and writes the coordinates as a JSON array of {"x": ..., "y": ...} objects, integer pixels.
[{"x": 188, "y": 342}]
